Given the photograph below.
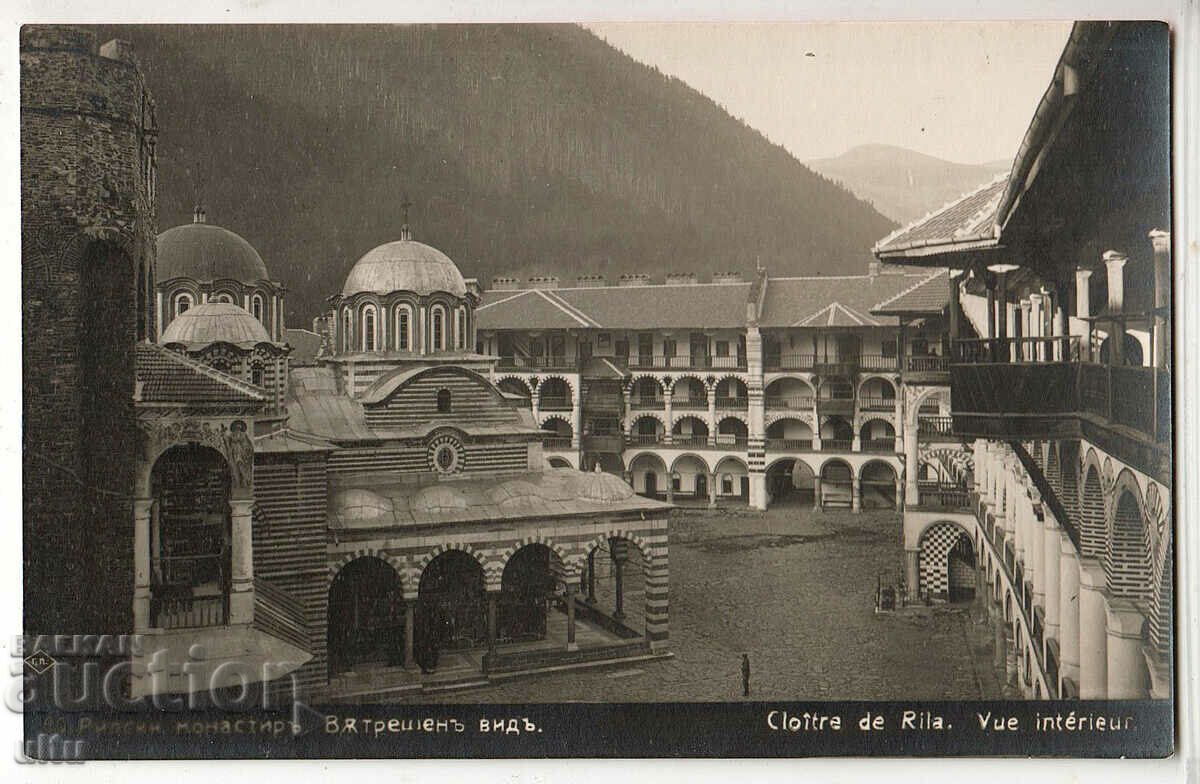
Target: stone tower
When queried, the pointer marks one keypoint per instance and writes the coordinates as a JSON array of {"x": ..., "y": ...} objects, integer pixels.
[{"x": 87, "y": 275}]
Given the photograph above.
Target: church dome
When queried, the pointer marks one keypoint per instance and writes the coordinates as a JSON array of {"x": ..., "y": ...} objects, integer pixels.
[
  {"x": 201, "y": 251},
  {"x": 215, "y": 322},
  {"x": 405, "y": 265}
]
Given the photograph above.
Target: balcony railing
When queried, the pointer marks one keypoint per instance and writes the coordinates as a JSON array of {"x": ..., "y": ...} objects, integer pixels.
[
  {"x": 643, "y": 439},
  {"x": 739, "y": 403},
  {"x": 556, "y": 442},
  {"x": 693, "y": 442},
  {"x": 546, "y": 362},
  {"x": 789, "y": 402},
  {"x": 878, "y": 362},
  {"x": 689, "y": 403},
  {"x": 843, "y": 366},
  {"x": 1063, "y": 348},
  {"x": 596, "y": 402},
  {"x": 943, "y": 496},
  {"x": 878, "y": 445},
  {"x": 554, "y": 403},
  {"x": 927, "y": 364},
  {"x": 877, "y": 403},
  {"x": 789, "y": 444},
  {"x": 936, "y": 426},
  {"x": 730, "y": 441},
  {"x": 652, "y": 403},
  {"x": 788, "y": 361},
  {"x": 836, "y": 444},
  {"x": 685, "y": 362}
]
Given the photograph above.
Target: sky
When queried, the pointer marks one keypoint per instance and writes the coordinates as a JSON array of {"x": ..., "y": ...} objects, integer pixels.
[{"x": 961, "y": 91}]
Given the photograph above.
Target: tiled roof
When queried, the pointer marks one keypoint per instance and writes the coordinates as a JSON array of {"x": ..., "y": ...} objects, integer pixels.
[
  {"x": 286, "y": 440},
  {"x": 305, "y": 344},
  {"x": 709, "y": 305},
  {"x": 165, "y": 376},
  {"x": 970, "y": 219},
  {"x": 838, "y": 301},
  {"x": 929, "y": 295}
]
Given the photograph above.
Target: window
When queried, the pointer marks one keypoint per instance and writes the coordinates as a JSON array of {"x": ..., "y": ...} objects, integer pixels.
[
  {"x": 443, "y": 401},
  {"x": 439, "y": 329},
  {"x": 403, "y": 328},
  {"x": 727, "y": 484},
  {"x": 621, "y": 348},
  {"x": 256, "y": 306},
  {"x": 460, "y": 329},
  {"x": 183, "y": 302},
  {"x": 722, "y": 348},
  {"x": 224, "y": 297},
  {"x": 256, "y": 374},
  {"x": 347, "y": 331},
  {"x": 889, "y": 348},
  {"x": 675, "y": 481},
  {"x": 368, "y": 328}
]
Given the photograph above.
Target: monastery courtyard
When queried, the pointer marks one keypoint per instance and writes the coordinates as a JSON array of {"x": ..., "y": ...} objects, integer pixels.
[{"x": 795, "y": 589}]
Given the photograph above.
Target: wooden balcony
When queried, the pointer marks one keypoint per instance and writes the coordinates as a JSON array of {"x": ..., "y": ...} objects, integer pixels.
[
  {"x": 550, "y": 362},
  {"x": 689, "y": 403},
  {"x": 647, "y": 403},
  {"x": 556, "y": 442},
  {"x": 733, "y": 403},
  {"x": 789, "y": 445},
  {"x": 788, "y": 402},
  {"x": 878, "y": 445},
  {"x": 878, "y": 362},
  {"x": 931, "y": 495},
  {"x": 926, "y": 370},
  {"x": 835, "y": 406},
  {"x": 877, "y": 403},
  {"x": 936, "y": 427},
  {"x": 685, "y": 362},
  {"x": 602, "y": 443},
  {"x": 836, "y": 444},
  {"x": 788, "y": 362}
]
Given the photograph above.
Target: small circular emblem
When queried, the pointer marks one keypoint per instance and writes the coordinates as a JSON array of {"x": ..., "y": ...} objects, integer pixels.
[{"x": 446, "y": 455}]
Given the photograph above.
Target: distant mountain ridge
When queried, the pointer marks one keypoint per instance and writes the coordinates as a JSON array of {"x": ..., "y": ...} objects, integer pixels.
[
  {"x": 526, "y": 149},
  {"x": 904, "y": 184}
]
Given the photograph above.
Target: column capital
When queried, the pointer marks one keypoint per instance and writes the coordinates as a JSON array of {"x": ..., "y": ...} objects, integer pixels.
[
  {"x": 1091, "y": 575},
  {"x": 1160, "y": 240},
  {"x": 241, "y": 506},
  {"x": 1035, "y": 299},
  {"x": 1082, "y": 274},
  {"x": 1124, "y": 619},
  {"x": 1114, "y": 259},
  {"x": 141, "y": 506}
]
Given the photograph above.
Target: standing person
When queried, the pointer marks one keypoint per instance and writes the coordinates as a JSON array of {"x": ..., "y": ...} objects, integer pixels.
[{"x": 745, "y": 675}]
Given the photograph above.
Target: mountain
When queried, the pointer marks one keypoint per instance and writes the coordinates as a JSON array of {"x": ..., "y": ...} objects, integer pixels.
[
  {"x": 525, "y": 149},
  {"x": 902, "y": 184}
]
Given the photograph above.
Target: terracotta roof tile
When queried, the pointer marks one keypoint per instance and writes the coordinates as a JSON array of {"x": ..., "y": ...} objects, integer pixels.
[
  {"x": 839, "y": 301},
  {"x": 969, "y": 219},
  {"x": 165, "y": 376},
  {"x": 928, "y": 295}
]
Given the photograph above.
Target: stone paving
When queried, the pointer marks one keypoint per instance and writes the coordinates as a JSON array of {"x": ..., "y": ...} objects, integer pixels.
[{"x": 794, "y": 589}]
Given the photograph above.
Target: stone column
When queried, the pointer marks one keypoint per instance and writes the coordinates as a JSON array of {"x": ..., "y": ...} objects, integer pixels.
[
  {"x": 1058, "y": 327},
  {"x": 855, "y": 494},
  {"x": 1035, "y": 549},
  {"x": 912, "y": 573},
  {"x": 571, "y": 646},
  {"x": 1052, "y": 576},
  {"x": 1083, "y": 310},
  {"x": 492, "y": 630},
  {"x": 1161, "y": 241},
  {"x": 816, "y": 493},
  {"x": 1068, "y": 609},
  {"x": 712, "y": 492},
  {"x": 241, "y": 598},
  {"x": 712, "y": 415},
  {"x": 576, "y": 411},
  {"x": 627, "y": 413},
  {"x": 1115, "y": 264},
  {"x": 591, "y": 577},
  {"x": 409, "y": 629},
  {"x": 1093, "y": 644},
  {"x": 1024, "y": 316},
  {"x": 141, "y": 563},
  {"x": 1036, "y": 323},
  {"x": 619, "y": 584},
  {"x": 1126, "y": 666},
  {"x": 667, "y": 435},
  {"x": 912, "y": 462}
]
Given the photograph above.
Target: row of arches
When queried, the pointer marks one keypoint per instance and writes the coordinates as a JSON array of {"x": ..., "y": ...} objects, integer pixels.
[
  {"x": 373, "y": 327},
  {"x": 875, "y": 432},
  {"x": 372, "y": 624},
  {"x": 551, "y": 392}
]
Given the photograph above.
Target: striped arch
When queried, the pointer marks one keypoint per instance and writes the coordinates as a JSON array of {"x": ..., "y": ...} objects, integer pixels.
[
  {"x": 407, "y": 583},
  {"x": 703, "y": 462},
  {"x": 560, "y": 416},
  {"x": 661, "y": 417},
  {"x": 783, "y": 415},
  {"x": 699, "y": 416},
  {"x": 802, "y": 378},
  {"x": 543, "y": 379},
  {"x": 910, "y": 412},
  {"x": 744, "y": 418},
  {"x": 829, "y": 460},
  {"x": 522, "y": 380},
  {"x": 569, "y": 563},
  {"x": 695, "y": 377},
  {"x": 890, "y": 379},
  {"x": 491, "y": 573},
  {"x": 636, "y": 377},
  {"x": 1125, "y": 577},
  {"x": 602, "y": 539},
  {"x": 736, "y": 376}
]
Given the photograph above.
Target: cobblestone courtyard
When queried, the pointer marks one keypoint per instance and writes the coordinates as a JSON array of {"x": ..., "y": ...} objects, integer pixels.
[{"x": 795, "y": 590}]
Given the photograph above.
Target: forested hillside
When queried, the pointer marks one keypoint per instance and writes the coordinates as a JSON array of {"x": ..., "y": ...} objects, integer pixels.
[{"x": 525, "y": 150}]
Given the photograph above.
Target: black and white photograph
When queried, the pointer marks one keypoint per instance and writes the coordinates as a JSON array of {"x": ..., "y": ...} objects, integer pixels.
[{"x": 634, "y": 389}]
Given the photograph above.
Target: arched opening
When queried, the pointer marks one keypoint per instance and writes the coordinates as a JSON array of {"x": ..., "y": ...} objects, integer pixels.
[
  {"x": 368, "y": 328},
  {"x": 256, "y": 373},
  {"x": 403, "y": 322},
  {"x": 877, "y": 394},
  {"x": 1133, "y": 351},
  {"x": 438, "y": 328},
  {"x": 460, "y": 328},
  {"x": 223, "y": 297},
  {"x": 877, "y": 435},
  {"x": 1053, "y": 470},
  {"x": 789, "y": 434},
  {"x": 554, "y": 395},
  {"x": 690, "y": 431},
  {"x": 877, "y": 483},
  {"x": 183, "y": 303},
  {"x": 836, "y": 434},
  {"x": 731, "y": 393},
  {"x": 689, "y": 393},
  {"x": 791, "y": 481},
  {"x": 527, "y": 586},
  {"x": 1127, "y": 556},
  {"x": 1091, "y": 512},
  {"x": 451, "y": 611},
  {"x": 517, "y": 388},
  {"x": 690, "y": 477},
  {"x": 732, "y": 431},
  {"x": 347, "y": 331},
  {"x": 366, "y": 616},
  {"x": 613, "y": 583},
  {"x": 946, "y": 563},
  {"x": 443, "y": 401},
  {"x": 190, "y": 538},
  {"x": 837, "y": 485},
  {"x": 790, "y": 394},
  {"x": 647, "y": 429},
  {"x": 256, "y": 306},
  {"x": 646, "y": 393},
  {"x": 649, "y": 474},
  {"x": 733, "y": 479},
  {"x": 558, "y": 462},
  {"x": 558, "y": 433}
]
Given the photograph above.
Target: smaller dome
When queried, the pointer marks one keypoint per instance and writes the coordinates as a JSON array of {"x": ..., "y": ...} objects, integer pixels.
[
  {"x": 215, "y": 322},
  {"x": 437, "y": 499},
  {"x": 514, "y": 495},
  {"x": 603, "y": 488},
  {"x": 357, "y": 506},
  {"x": 202, "y": 251}
]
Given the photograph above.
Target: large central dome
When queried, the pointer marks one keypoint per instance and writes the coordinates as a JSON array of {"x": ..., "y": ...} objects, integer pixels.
[
  {"x": 202, "y": 251},
  {"x": 405, "y": 265}
]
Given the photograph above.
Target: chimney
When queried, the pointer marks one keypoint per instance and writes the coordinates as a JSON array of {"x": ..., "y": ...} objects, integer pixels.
[
  {"x": 681, "y": 279},
  {"x": 506, "y": 284},
  {"x": 590, "y": 281},
  {"x": 543, "y": 282},
  {"x": 199, "y": 215},
  {"x": 728, "y": 278},
  {"x": 634, "y": 279}
]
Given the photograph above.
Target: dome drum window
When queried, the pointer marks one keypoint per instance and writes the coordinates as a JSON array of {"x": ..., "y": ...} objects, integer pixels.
[
  {"x": 403, "y": 328},
  {"x": 256, "y": 307},
  {"x": 183, "y": 302},
  {"x": 437, "y": 328},
  {"x": 368, "y": 328}
]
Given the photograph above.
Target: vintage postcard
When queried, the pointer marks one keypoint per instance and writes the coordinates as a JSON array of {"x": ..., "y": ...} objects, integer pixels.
[{"x": 603, "y": 390}]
